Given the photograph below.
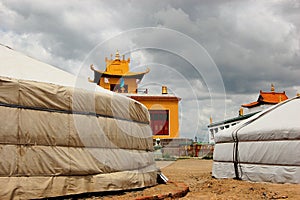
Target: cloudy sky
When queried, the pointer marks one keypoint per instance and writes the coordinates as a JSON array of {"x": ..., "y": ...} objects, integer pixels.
[{"x": 215, "y": 55}]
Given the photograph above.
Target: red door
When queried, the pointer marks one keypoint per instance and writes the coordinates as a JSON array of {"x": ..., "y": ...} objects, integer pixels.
[{"x": 159, "y": 122}]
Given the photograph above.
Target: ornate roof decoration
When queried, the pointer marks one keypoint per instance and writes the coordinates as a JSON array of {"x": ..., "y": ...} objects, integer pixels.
[
  {"x": 116, "y": 68},
  {"x": 267, "y": 98}
]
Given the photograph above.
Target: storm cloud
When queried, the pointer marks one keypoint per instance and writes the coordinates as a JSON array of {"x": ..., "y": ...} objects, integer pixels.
[{"x": 251, "y": 44}]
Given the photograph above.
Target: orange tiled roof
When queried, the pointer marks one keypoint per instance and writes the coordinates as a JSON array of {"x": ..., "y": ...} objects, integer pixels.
[
  {"x": 267, "y": 98},
  {"x": 273, "y": 97},
  {"x": 250, "y": 105}
]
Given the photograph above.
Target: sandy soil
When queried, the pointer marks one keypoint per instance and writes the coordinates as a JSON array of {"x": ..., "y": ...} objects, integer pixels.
[{"x": 197, "y": 175}]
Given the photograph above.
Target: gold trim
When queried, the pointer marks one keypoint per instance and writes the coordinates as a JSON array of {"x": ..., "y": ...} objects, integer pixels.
[
  {"x": 126, "y": 74},
  {"x": 90, "y": 80}
]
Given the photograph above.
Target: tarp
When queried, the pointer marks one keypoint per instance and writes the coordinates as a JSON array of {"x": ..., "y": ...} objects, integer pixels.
[
  {"x": 58, "y": 137},
  {"x": 263, "y": 148}
]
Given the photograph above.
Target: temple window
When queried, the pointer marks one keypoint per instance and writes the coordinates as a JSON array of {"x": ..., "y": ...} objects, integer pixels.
[{"x": 159, "y": 121}]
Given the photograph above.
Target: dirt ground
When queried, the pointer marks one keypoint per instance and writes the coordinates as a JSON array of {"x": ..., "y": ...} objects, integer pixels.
[{"x": 196, "y": 174}]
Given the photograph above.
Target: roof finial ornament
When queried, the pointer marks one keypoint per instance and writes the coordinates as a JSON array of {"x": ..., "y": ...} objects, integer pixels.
[
  {"x": 117, "y": 55},
  {"x": 280, "y": 99},
  {"x": 272, "y": 88}
]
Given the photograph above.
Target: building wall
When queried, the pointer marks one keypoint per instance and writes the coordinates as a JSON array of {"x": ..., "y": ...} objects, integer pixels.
[
  {"x": 172, "y": 106},
  {"x": 131, "y": 82}
]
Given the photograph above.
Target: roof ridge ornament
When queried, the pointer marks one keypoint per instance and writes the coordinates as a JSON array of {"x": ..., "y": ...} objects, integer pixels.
[
  {"x": 280, "y": 99},
  {"x": 117, "y": 55},
  {"x": 272, "y": 87}
]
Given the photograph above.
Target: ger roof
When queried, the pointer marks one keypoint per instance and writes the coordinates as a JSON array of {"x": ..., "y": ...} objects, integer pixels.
[{"x": 14, "y": 64}]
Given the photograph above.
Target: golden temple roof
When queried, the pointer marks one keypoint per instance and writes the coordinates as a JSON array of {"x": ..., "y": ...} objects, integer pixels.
[
  {"x": 115, "y": 74},
  {"x": 116, "y": 68}
]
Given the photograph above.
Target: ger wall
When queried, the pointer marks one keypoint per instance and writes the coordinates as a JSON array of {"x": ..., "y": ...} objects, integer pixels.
[{"x": 57, "y": 140}]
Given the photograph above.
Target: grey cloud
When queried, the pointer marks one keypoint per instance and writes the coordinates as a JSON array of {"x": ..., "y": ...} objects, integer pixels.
[{"x": 253, "y": 43}]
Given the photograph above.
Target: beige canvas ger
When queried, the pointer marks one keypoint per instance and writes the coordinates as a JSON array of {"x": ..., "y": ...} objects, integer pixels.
[{"x": 60, "y": 140}]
